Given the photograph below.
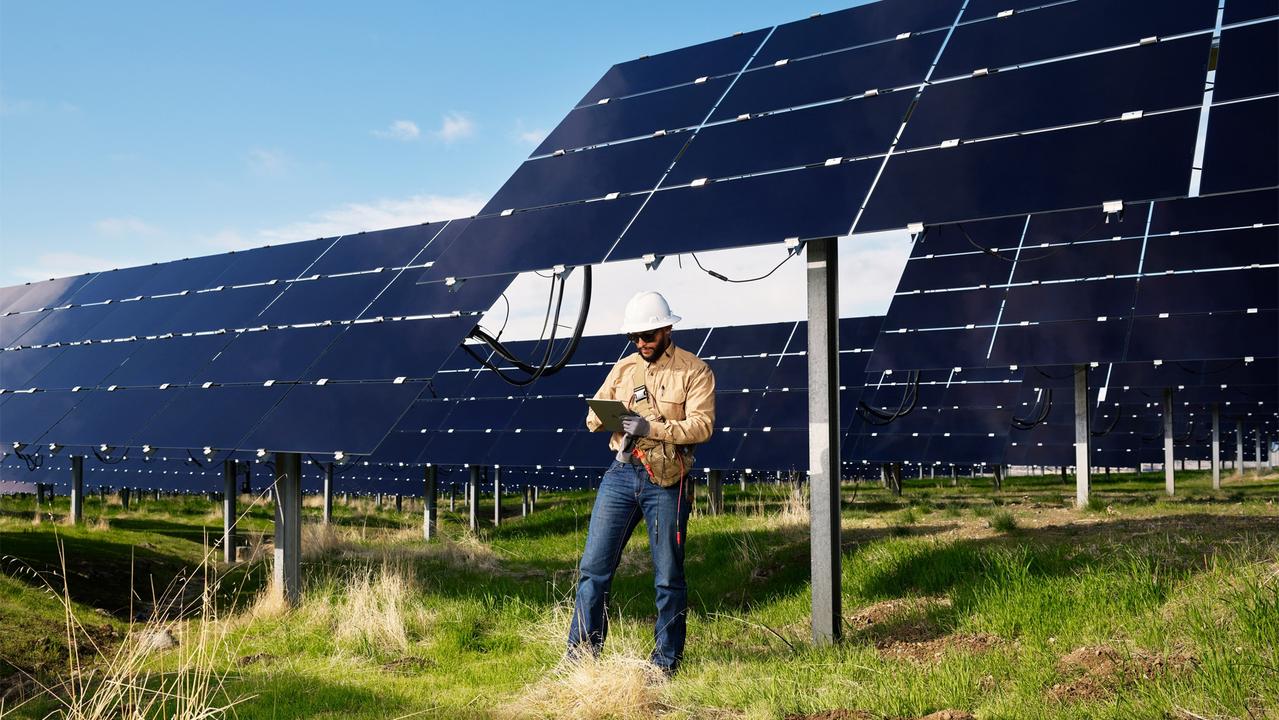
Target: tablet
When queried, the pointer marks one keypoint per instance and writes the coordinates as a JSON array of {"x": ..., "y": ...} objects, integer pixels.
[{"x": 609, "y": 412}]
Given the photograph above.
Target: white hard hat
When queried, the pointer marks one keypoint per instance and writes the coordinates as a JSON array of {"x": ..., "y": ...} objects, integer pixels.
[{"x": 647, "y": 311}]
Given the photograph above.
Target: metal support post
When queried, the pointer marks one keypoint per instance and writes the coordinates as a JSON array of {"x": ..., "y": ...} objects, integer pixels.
[
  {"x": 124, "y": 498},
  {"x": 1063, "y": 474},
  {"x": 399, "y": 503},
  {"x": 823, "y": 437},
  {"x": 1256, "y": 453},
  {"x": 1083, "y": 437},
  {"x": 288, "y": 526},
  {"x": 77, "y": 489},
  {"x": 472, "y": 492},
  {"x": 328, "y": 493},
  {"x": 430, "y": 513},
  {"x": 39, "y": 494},
  {"x": 497, "y": 497},
  {"x": 229, "y": 496},
  {"x": 1239, "y": 447},
  {"x": 452, "y": 497},
  {"x": 524, "y": 501},
  {"x": 715, "y": 491},
  {"x": 999, "y": 477},
  {"x": 1170, "y": 480}
]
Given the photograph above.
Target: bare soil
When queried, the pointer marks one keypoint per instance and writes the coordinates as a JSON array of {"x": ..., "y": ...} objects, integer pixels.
[{"x": 1099, "y": 671}]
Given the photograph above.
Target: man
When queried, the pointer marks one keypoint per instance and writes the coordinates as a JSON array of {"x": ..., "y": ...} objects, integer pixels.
[{"x": 672, "y": 395}]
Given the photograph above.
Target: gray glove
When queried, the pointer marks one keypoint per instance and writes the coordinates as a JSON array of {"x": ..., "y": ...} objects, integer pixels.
[{"x": 635, "y": 426}]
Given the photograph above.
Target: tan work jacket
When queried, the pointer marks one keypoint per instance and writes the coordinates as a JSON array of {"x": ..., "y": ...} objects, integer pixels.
[{"x": 682, "y": 385}]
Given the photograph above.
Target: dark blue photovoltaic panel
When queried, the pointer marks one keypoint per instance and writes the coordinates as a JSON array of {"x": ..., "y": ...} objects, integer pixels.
[
  {"x": 387, "y": 350},
  {"x": 964, "y": 348},
  {"x": 1231, "y": 290},
  {"x": 281, "y": 355},
  {"x": 536, "y": 240},
  {"x": 828, "y": 77},
  {"x": 1242, "y": 150},
  {"x": 1240, "y": 10},
  {"x": 588, "y": 174},
  {"x": 69, "y": 325},
  {"x": 587, "y": 449},
  {"x": 750, "y": 373},
  {"x": 527, "y": 449},
  {"x": 18, "y": 367},
  {"x": 609, "y": 348},
  {"x": 425, "y": 414},
  {"x": 489, "y": 414},
  {"x": 855, "y": 26},
  {"x": 190, "y": 274},
  {"x": 747, "y": 340},
  {"x": 967, "y": 448},
  {"x": 1002, "y": 234},
  {"x": 718, "y": 452},
  {"x": 488, "y": 385},
  {"x": 400, "y": 447},
  {"x": 1228, "y": 248},
  {"x": 801, "y": 137},
  {"x": 1217, "y": 336},
  {"x": 407, "y": 297},
  {"x": 1071, "y": 341},
  {"x": 217, "y": 417},
  {"x": 685, "y": 106},
  {"x": 1248, "y": 62},
  {"x": 81, "y": 365},
  {"x": 278, "y": 262},
  {"x": 782, "y": 410},
  {"x": 330, "y": 298},
  {"x": 717, "y": 57},
  {"x": 28, "y": 416},
  {"x": 1067, "y": 29},
  {"x": 116, "y": 284},
  {"x": 567, "y": 413},
  {"x": 174, "y": 360},
  {"x": 458, "y": 448},
  {"x": 48, "y": 293},
  {"x": 10, "y": 295},
  {"x": 735, "y": 409},
  {"x": 392, "y": 248},
  {"x": 854, "y": 333},
  {"x": 776, "y": 450},
  {"x": 978, "y": 9},
  {"x": 1154, "y": 77},
  {"x": 1072, "y": 226},
  {"x": 1081, "y": 260},
  {"x": 111, "y": 418},
  {"x": 583, "y": 380},
  {"x": 1223, "y": 211},
  {"x": 12, "y": 327},
  {"x": 957, "y": 271},
  {"x": 193, "y": 312},
  {"x": 813, "y": 203},
  {"x": 351, "y": 418},
  {"x": 1145, "y": 158},
  {"x": 1086, "y": 300},
  {"x": 955, "y": 308}
]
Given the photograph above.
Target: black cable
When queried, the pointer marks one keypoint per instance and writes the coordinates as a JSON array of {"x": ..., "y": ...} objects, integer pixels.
[
  {"x": 714, "y": 274},
  {"x": 34, "y": 461},
  {"x": 506, "y": 318},
  {"x": 105, "y": 460},
  {"x": 875, "y": 416},
  {"x": 192, "y": 461},
  {"x": 1113, "y": 423},
  {"x": 994, "y": 253},
  {"x": 1047, "y": 402},
  {"x": 546, "y": 357}
]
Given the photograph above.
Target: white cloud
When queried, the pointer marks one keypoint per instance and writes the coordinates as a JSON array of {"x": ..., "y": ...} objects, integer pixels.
[
  {"x": 403, "y": 130},
  {"x": 268, "y": 163},
  {"x": 528, "y": 136},
  {"x": 65, "y": 264},
  {"x": 870, "y": 266},
  {"x": 455, "y": 126},
  {"x": 376, "y": 215},
  {"x": 124, "y": 227}
]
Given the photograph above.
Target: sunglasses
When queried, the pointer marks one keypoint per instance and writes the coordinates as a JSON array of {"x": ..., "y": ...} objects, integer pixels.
[{"x": 647, "y": 337}]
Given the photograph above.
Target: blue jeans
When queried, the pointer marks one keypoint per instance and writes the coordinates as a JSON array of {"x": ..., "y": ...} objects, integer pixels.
[{"x": 624, "y": 496}]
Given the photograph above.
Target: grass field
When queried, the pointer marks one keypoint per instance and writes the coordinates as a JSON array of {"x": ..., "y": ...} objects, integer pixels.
[{"x": 959, "y": 599}]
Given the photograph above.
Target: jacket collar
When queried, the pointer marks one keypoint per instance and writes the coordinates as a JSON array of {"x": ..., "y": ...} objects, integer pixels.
[{"x": 668, "y": 357}]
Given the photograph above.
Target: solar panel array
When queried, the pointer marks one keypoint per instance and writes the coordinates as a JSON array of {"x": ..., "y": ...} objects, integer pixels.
[{"x": 317, "y": 346}]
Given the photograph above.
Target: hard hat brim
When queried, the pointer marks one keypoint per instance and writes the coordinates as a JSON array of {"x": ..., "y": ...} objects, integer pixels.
[{"x": 653, "y": 324}]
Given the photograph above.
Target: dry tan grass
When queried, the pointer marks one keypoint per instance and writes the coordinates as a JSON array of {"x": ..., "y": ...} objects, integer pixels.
[
  {"x": 616, "y": 686},
  {"x": 794, "y": 511},
  {"x": 268, "y": 604},
  {"x": 373, "y": 610},
  {"x": 319, "y": 540}
]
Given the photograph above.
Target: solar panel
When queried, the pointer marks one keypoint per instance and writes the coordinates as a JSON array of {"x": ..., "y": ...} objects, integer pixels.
[
  {"x": 108, "y": 417},
  {"x": 1223, "y": 211},
  {"x": 1248, "y": 62},
  {"x": 1148, "y": 157},
  {"x": 854, "y": 128},
  {"x": 219, "y": 416},
  {"x": 843, "y": 74},
  {"x": 279, "y": 355},
  {"x": 189, "y": 274},
  {"x": 173, "y": 360},
  {"x": 686, "y": 65},
  {"x": 17, "y": 367},
  {"x": 365, "y": 251},
  {"x": 1070, "y": 341},
  {"x": 64, "y": 325},
  {"x": 1227, "y": 248},
  {"x": 277, "y": 262},
  {"x": 811, "y": 203},
  {"x": 387, "y": 350},
  {"x": 685, "y": 106},
  {"x": 1066, "y": 29},
  {"x": 1083, "y": 300},
  {"x": 77, "y": 366},
  {"x": 1242, "y": 149},
  {"x": 1219, "y": 335},
  {"x": 48, "y": 293},
  {"x": 328, "y": 298},
  {"x": 1240, "y": 10},
  {"x": 1148, "y": 78},
  {"x": 748, "y": 340},
  {"x": 957, "y": 309},
  {"x": 352, "y": 418},
  {"x": 855, "y": 26}
]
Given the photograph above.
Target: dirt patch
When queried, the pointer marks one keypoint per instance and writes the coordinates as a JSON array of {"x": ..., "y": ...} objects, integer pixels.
[
  {"x": 932, "y": 650},
  {"x": 1098, "y": 671},
  {"x": 254, "y": 659},
  {"x": 899, "y": 620}
]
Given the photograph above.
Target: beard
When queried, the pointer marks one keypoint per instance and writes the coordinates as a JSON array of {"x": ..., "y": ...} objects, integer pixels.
[{"x": 658, "y": 351}]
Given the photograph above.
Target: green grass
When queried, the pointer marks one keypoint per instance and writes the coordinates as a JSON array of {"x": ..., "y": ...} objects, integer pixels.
[{"x": 1195, "y": 575}]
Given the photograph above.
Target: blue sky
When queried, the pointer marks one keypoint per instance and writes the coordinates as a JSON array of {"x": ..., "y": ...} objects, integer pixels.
[{"x": 141, "y": 132}]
